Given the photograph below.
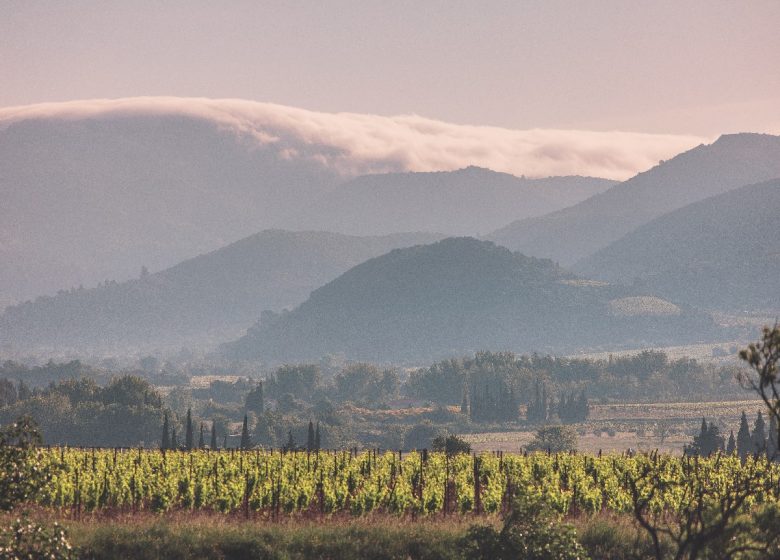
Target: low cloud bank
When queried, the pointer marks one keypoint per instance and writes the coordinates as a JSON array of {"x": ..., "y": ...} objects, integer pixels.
[{"x": 355, "y": 144}]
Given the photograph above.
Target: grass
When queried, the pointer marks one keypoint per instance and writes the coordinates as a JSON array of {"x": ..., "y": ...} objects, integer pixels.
[{"x": 190, "y": 536}]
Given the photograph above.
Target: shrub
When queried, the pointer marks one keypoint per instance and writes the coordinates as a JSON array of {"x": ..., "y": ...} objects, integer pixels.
[{"x": 556, "y": 439}]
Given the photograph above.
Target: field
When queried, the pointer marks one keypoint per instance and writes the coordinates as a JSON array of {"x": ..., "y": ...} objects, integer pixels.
[
  {"x": 616, "y": 428},
  {"x": 273, "y": 484}
]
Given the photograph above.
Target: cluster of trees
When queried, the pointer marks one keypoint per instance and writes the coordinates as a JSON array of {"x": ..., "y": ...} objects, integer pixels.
[
  {"x": 646, "y": 376},
  {"x": 496, "y": 403},
  {"x": 126, "y": 411},
  {"x": 569, "y": 410},
  {"x": 760, "y": 441}
]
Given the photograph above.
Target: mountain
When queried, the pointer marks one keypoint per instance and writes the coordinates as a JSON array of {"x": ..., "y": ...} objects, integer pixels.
[
  {"x": 213, "y": 297},
  {"x": 461, "y": 295},
  {"x": 90, "y": 199},
  {"x": 469, "y": 201},
  {"x": 718, "y": 253},
  {"x": 573, "y": 233}
]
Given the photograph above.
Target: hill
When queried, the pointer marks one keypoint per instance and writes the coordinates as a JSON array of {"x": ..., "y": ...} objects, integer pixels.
[
  {"x": 719, "y": 253},
  {"x": 571, "y": 234},
  {"x": 92, "y": 199},
  {"x": 460, "y": 295},
  {"x": 469, "y": 201},
  {"x": 213, "y": 297}
]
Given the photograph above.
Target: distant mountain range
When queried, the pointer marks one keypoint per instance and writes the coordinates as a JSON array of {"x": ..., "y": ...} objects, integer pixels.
[
  {"x": 471, "y": 201},
  {"x": 719, "y": 253},
  {"x": 460, "y": 295},
  {"x": 210, "y": 298},
  {"x": 94, "y": 197},
  {"x": 85, "y": 200},
  {"x": 573, "y": 233}
]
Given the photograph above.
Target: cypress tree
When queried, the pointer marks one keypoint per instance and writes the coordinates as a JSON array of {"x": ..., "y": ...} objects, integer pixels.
[
  {"x": 246, "y": 443},
  {"x": 759, "y": 434},
  {"x": 310, "y": 437},
  {"x": 744, "y": 441},
  {"x": 201, "y": 442},
  {"x": 317, "y": 437},
  {"x": 188, "y": 435},
  {"x": 174, "y": 440},
  {"x": 714, "y": 439},
  {"x": 771, "y": 442},
  {"x": 255, "y": 400},
  {"x": 731, "y": 448},
  {"x": 213, "y": 434},
  {"x": 290, "y": 442},
  {"x": 166, "y": 438}
]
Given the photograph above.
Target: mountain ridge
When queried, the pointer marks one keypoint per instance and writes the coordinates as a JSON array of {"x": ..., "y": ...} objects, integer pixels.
[{"x": 573, "y": 233}]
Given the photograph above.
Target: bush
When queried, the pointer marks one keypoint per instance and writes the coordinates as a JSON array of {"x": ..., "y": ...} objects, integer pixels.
[
  {"x": 556, "y": 439},
  {"x": 26, "y": 539},
  {"x": 532, "y": 531},
  {"x": 21, "y": 474},
  {"x": 451, "y": 444}
]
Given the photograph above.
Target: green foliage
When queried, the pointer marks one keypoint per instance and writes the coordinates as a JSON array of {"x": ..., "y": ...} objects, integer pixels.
[
  {"x": 555, "y": 439},
  {"x": 22, "y": 472},
  {"x": 26, "y": 539},
  {"x": 532, "y": 531},
  {"x": 127, "y": 411},
  {"x": 451, "y": 445}
]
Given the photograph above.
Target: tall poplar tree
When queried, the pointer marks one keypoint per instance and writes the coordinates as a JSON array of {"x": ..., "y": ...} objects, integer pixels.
[
  {"x": 246, "y": 442},
  {"x": 310, "y": 437},
  {"x": 213, "y": 434},
  {"x": 744, "y": 441},
  {"x": 166, "y": 437},
  {"x": 188, "y": 435}
]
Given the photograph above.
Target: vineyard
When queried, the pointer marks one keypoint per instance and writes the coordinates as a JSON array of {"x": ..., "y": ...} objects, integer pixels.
[{"x": 273, "y": 483}]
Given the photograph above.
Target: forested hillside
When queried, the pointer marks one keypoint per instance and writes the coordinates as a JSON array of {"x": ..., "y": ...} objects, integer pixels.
[
  {"x": 209, "y": 298},
  {"x": 720, "y": 253},
  {"x": 461, "y": 295}
]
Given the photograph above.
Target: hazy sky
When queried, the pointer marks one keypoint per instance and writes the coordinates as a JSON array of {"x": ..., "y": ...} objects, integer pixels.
[{"x": 677, "y": 67}]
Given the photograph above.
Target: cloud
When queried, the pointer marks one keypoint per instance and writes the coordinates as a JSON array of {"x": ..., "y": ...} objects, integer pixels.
[{"x": 355, "y": 144}]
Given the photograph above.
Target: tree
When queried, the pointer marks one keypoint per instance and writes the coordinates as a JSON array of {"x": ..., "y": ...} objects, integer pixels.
[
  {"x": 188, "y": 435},
  {"x": 464, "y": 404},
  {"x": 771, "y": 440},
  {"x": 420, "y": 436},
  {"x": 707, "y": 522},
  {"x": 763, "y": 358},
  {"x": 8, "y": 395},
  {"x": 166, "y": 438},
  {"x": 201, "y": 442},
  {"x": 317, "y": 437},
  {"x": 731, "y": 447},
  {"x": 708, "y": 441},
  {"x": 759, "y": 435},
  {"x": 213, "y": 444},
  {"x": 246, "y": 442},
  {"x": 310, "y": 445},
  {"x": 255, "y": 400},
  {"x": 556, "y": 439},
  {"x": 451, "y": 445},
  {"x": 290, "y": 445},
  {"x": 744, "y": 439},
  {"x": 22, "y": 472},
  {"x": 174, "y": 440}
]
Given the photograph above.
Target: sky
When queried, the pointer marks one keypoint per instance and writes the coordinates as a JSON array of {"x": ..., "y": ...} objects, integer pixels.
[{"x": 668, "y": 67}]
